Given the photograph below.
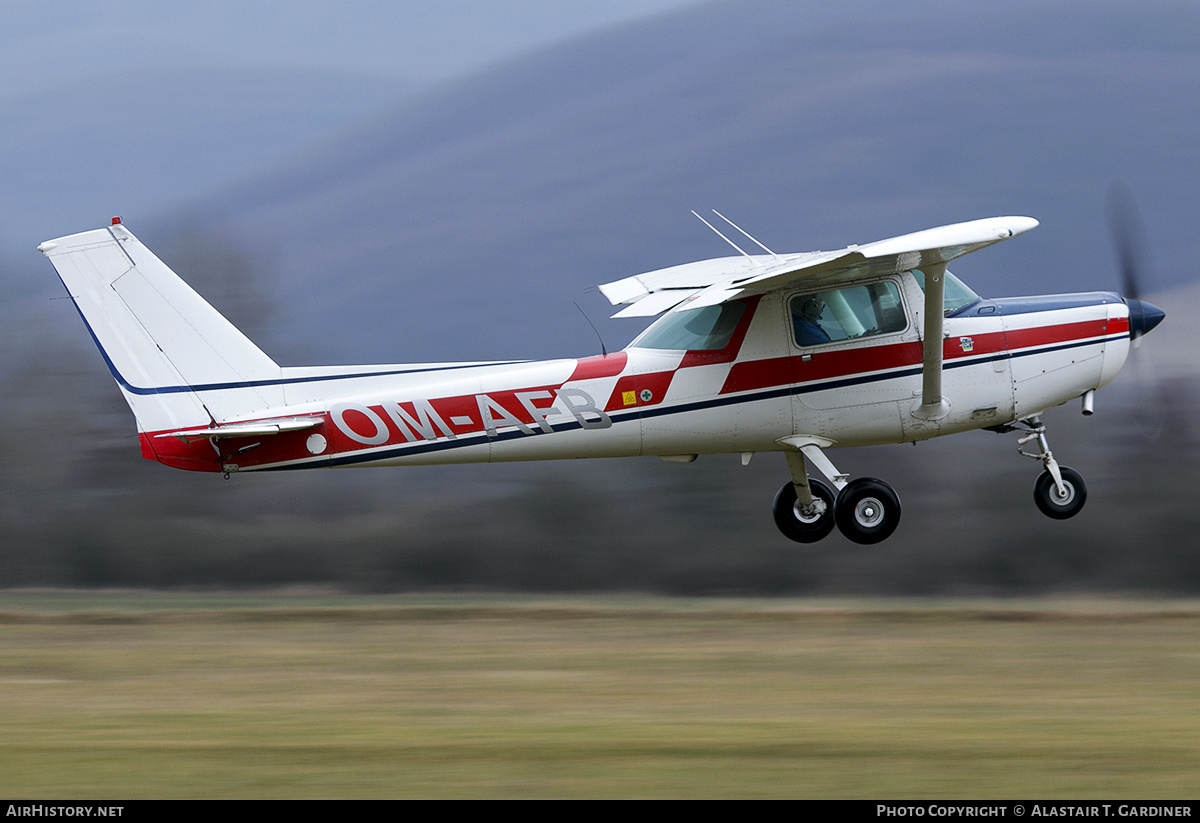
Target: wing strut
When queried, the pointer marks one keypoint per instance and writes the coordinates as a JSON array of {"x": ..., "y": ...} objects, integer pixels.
[{"x": 933, "y": 405}]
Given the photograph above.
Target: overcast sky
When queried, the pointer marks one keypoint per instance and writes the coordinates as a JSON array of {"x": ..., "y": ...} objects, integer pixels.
[
  {"x": 210, "y": 92},
  {"x": 44, "y": 44}
]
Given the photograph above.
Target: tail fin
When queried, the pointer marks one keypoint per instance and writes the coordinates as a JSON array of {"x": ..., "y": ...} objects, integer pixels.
[{"x": 179, "y": 363}]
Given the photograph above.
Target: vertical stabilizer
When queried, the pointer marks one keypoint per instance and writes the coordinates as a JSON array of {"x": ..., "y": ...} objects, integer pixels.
[{"x": 178, "y": 361}]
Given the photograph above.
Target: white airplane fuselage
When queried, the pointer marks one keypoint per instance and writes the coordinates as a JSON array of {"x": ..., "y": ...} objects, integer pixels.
[{"x": 1004, "y": 360}]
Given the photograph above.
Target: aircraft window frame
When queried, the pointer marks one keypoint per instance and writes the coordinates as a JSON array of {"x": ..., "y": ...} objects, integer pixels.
[{"x": 842, "y": 314}]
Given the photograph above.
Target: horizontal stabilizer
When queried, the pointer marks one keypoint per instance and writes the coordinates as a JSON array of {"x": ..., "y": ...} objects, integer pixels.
[{"x": 258, "y": 429}]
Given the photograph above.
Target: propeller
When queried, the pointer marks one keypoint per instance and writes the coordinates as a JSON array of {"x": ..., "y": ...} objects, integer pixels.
[{"x": 1129, "y": 239}]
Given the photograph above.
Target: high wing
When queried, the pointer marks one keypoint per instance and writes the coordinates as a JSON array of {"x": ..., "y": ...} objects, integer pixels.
[{"x": 709, "y": 282}]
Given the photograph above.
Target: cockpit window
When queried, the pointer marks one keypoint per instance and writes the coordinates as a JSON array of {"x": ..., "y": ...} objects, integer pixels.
[
  {"x": 958, "y": 295},
  {"x": 708, "y": 328},
  {"x": 847, "y": 314}
]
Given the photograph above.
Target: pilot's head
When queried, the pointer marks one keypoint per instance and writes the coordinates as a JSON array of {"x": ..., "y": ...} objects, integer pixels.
[{"x": 812, "y": 307}]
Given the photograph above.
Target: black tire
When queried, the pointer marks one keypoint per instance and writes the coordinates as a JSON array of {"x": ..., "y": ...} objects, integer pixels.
[
  {"x": 1045, "y": 494},
  {"x": 793, "y": 523},
  {"x": 867, "y": 511}
]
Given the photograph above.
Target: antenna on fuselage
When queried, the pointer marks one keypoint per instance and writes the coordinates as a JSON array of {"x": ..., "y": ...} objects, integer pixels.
[{"x": 603, "y": 349}]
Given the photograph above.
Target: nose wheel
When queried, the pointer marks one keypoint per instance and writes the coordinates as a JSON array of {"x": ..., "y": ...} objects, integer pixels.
[
  {"x": 1059, "y": 491},
  {"x": 1060, "y": 503}
]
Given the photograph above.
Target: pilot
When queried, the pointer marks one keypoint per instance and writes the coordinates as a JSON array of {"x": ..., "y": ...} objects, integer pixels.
[{"x": 806, "y": 320}]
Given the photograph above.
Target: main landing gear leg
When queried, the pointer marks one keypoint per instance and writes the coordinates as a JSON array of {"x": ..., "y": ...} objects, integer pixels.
[
  {"x": 865, "y": 510},
  {"x": 1059, "y": 491},
  {"x": 803, "y": 508}
]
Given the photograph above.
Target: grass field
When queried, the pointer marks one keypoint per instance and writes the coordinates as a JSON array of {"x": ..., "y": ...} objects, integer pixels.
[{"x": 123, "y": 695}]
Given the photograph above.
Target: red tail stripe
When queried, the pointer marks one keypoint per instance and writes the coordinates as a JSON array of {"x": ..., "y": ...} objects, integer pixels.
[{"x": 590, "y": 368}]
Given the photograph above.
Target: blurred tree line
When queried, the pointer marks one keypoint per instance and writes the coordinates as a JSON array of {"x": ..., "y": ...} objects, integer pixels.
[{"x": 81, "y": 508}]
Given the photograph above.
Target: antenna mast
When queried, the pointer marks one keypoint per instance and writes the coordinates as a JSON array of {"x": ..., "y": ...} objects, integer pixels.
[
  {"x": 743, "y": 231},
  {"x": 603, "y": 350},
  {"x": 723, "y": 237}
]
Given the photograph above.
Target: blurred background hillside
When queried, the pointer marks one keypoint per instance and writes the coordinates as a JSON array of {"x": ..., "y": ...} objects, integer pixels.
[{"x": 388, "y": 183}]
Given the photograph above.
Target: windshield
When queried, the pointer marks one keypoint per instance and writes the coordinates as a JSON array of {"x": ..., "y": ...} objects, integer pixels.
[
  {"x": 957, "y": 294},
  {"x": 708, "y": 328}
]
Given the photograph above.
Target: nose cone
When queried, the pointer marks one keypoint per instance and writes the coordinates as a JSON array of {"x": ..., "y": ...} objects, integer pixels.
[{"x": 1143, "y": 316}]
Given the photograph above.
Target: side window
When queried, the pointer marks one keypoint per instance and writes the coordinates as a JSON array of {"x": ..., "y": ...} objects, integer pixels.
[
  {"x": 957, "y": 295},
  {"x": 847, "y": 314}
]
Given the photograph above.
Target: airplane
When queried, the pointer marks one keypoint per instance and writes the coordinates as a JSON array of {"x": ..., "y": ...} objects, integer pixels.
[{"x": 792, "y": 353}]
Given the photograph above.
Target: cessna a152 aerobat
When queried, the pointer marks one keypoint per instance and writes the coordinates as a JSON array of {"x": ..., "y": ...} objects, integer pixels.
[{"x": 791, "y": 353}]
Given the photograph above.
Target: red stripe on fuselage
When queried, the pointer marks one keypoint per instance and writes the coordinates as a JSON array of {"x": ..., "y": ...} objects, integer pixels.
[
  {"x": 605, "y": 365},
  {"x": 824, "y": 365},
  {"x": 777, "y": 371},
  {"x": 1045, "y": 335},
  {"x": 630, "y": 390}
]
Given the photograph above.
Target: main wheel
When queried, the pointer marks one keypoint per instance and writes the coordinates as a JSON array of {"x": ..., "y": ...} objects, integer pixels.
[
  {"x": 867, "y": 510},
  {"x": 1060, "y": 506},
  {"x": 800, "y": 524}
]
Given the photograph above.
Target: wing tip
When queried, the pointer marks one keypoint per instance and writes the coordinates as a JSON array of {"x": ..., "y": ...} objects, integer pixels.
[{"x": 1020, "y": 225}]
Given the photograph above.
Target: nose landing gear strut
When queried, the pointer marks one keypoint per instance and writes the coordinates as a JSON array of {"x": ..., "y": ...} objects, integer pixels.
[{"x": 1059, "y": 491}]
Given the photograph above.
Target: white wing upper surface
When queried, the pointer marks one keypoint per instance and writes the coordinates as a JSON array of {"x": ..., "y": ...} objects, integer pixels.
[{"x": 709, "y": 282}]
